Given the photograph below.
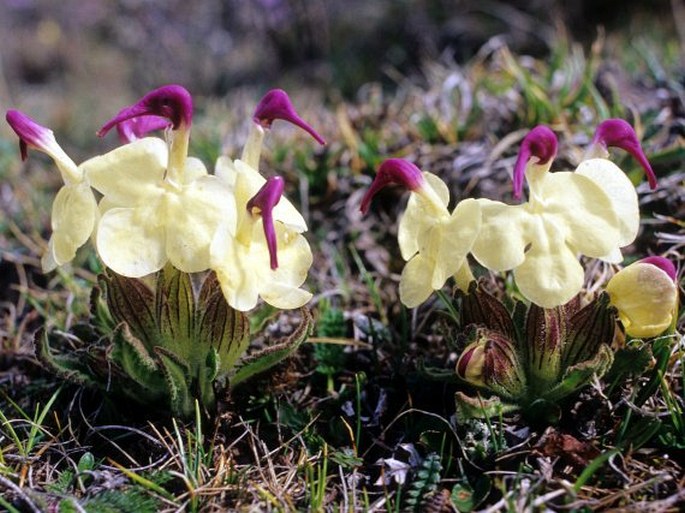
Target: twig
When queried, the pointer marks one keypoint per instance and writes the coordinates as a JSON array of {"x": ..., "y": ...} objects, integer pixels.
[{"x": 16, "y": 489}]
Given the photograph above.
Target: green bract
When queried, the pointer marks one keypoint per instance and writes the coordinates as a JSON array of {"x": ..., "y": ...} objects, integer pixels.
[
  {"x": 168, "y": 344},
  {"x": 531, "y": 357}
]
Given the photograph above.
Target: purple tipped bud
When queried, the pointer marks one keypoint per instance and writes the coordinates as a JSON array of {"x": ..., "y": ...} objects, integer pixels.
[
  {"x": 393, "y": 171},
  {"x": 541, "y": 144},
  {"x": 263, "y": 204},
  {"x": 617, "y": 133},
  {"x": 470, "y": 364},
  {"x": 136, "y": 128},
  {"x": 662, "y": 263},
  {"x": 172, "y": 102},
  {"x": 277, "y": 105},
  {"x": 31, "y": 134}
]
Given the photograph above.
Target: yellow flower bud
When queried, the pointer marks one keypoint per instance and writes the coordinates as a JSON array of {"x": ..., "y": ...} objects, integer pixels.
[{"x": 646, "y": 296}]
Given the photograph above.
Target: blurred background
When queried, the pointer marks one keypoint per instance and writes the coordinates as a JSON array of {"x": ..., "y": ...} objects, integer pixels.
[{"x": 68, "y": 61}]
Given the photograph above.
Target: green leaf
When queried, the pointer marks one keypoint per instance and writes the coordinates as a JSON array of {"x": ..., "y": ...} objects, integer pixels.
[
  {"x": 587, "y": 330},
  {"x": 466, "y": 498},
  {"x": 468, "y": 407},
  {"x": 581, "y": 374},
  {"x": 131, "y": 301},
  {"x": 631, "y": 360},
  {"x": 176, "y": 376},
  {"x": 70, "y": 367},
  {"x": 545, "y": 329},
  {"x": 174, "y": 304},
  {"x": 131, "y": 355},
  {"x": 263, "y": 360},
  {"x": 482, "y": 308},
  {"x": 220, "y": 326}
]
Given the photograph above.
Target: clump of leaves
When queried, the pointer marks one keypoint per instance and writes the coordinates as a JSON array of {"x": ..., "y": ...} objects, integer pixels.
[
  {"x": 531, "y": 358},
  {"x": 425, "y": 483},
  {"x": 165, "y": 344}
]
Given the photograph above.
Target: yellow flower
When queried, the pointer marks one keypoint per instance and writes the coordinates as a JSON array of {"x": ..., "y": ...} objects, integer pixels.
[
  {"x": 433, "y": 241},
  {"x": 270, "y": 261},
  {"x": 159, "y": 204},
  {"x": 74, "y": 211},
  {"x": 645, "y": 294},
  {"x": 567, "y": 213},
  {"x": 613, "y": 181}
]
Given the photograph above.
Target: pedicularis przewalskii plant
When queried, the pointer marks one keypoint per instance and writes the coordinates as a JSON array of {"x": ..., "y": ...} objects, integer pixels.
[
  {"x": 186, "y": 254},
  {"x": 553, "y": 340}
]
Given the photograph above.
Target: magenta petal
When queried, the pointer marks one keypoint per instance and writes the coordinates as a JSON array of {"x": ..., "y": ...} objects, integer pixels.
[
  {"x": 30, "y": 133},
  {"x": 541, "y": 143},
  {"x": 172, "y": 102},
  {"x": 264, "y": 202},
  {"x": 136, "y": 128},
  {"x": 277, "y": 105},
  {"x": 393, "y": 171},
  {"x": 617, "y": 133},
  {"x": 662, "y": 263}
]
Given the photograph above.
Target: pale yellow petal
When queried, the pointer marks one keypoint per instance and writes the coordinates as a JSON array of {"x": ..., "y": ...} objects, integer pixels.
[
  {"x": 225, "y": 170},
  {"x": 415, "y": 282},
  {"x": 646, "y": 298},
  {"x": 420, "y": 216},
  {"x": 192, "y": 217},
  {"x": 615, "y": 257},
  {"x": 132, "y": 242},
  {"x": 449, "y": 240},
  {"x": 503, "y": 235},
  {"x": 194, "y": 169},
  {"x": 248, "y": 183},
  {"x": 459, "y": 234},
  {"x": 47, "y": 261},
  {"x": 590, "y": 222},
  {"x": 245, "y": 274},
  {"x": 129, "y": 174},
  {"x": 253, "y": 146},
  {"x": 236, "y": 270},
  {"x": 620, "y": 190},
  {"x": 550, "y": 274},
  {"x": 281, "y": 286},
  {"x": 73, "y": 219}
]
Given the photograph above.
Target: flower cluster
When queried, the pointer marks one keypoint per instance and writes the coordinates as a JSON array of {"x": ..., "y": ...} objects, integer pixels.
[
  {"x": 537, "y": 352},
  {"x": 158, "y": 205},
  {"x": 590, "y": 211}
]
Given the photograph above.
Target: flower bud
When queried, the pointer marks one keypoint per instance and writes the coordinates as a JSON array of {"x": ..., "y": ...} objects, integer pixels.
[
  {"x": 646, "y": 296},
  {"x": 491, "y": 361}
]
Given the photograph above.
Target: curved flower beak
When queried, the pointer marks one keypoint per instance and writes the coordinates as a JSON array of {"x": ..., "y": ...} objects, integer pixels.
[
  {"x": 540, "y": 144},
  {"x": 35, "y": 136},
  {"x": 618, "y": 133},
  {"x": 645, "y": 294},
  {"x": 137, "y": 128},
  {"x": 172, "y": 102},
  {"x": 277, "y": 105},
  {"x": 31, "y": 134},
  {"x": 263, "y": 204},
  {"x": 393, "y": 171}
]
